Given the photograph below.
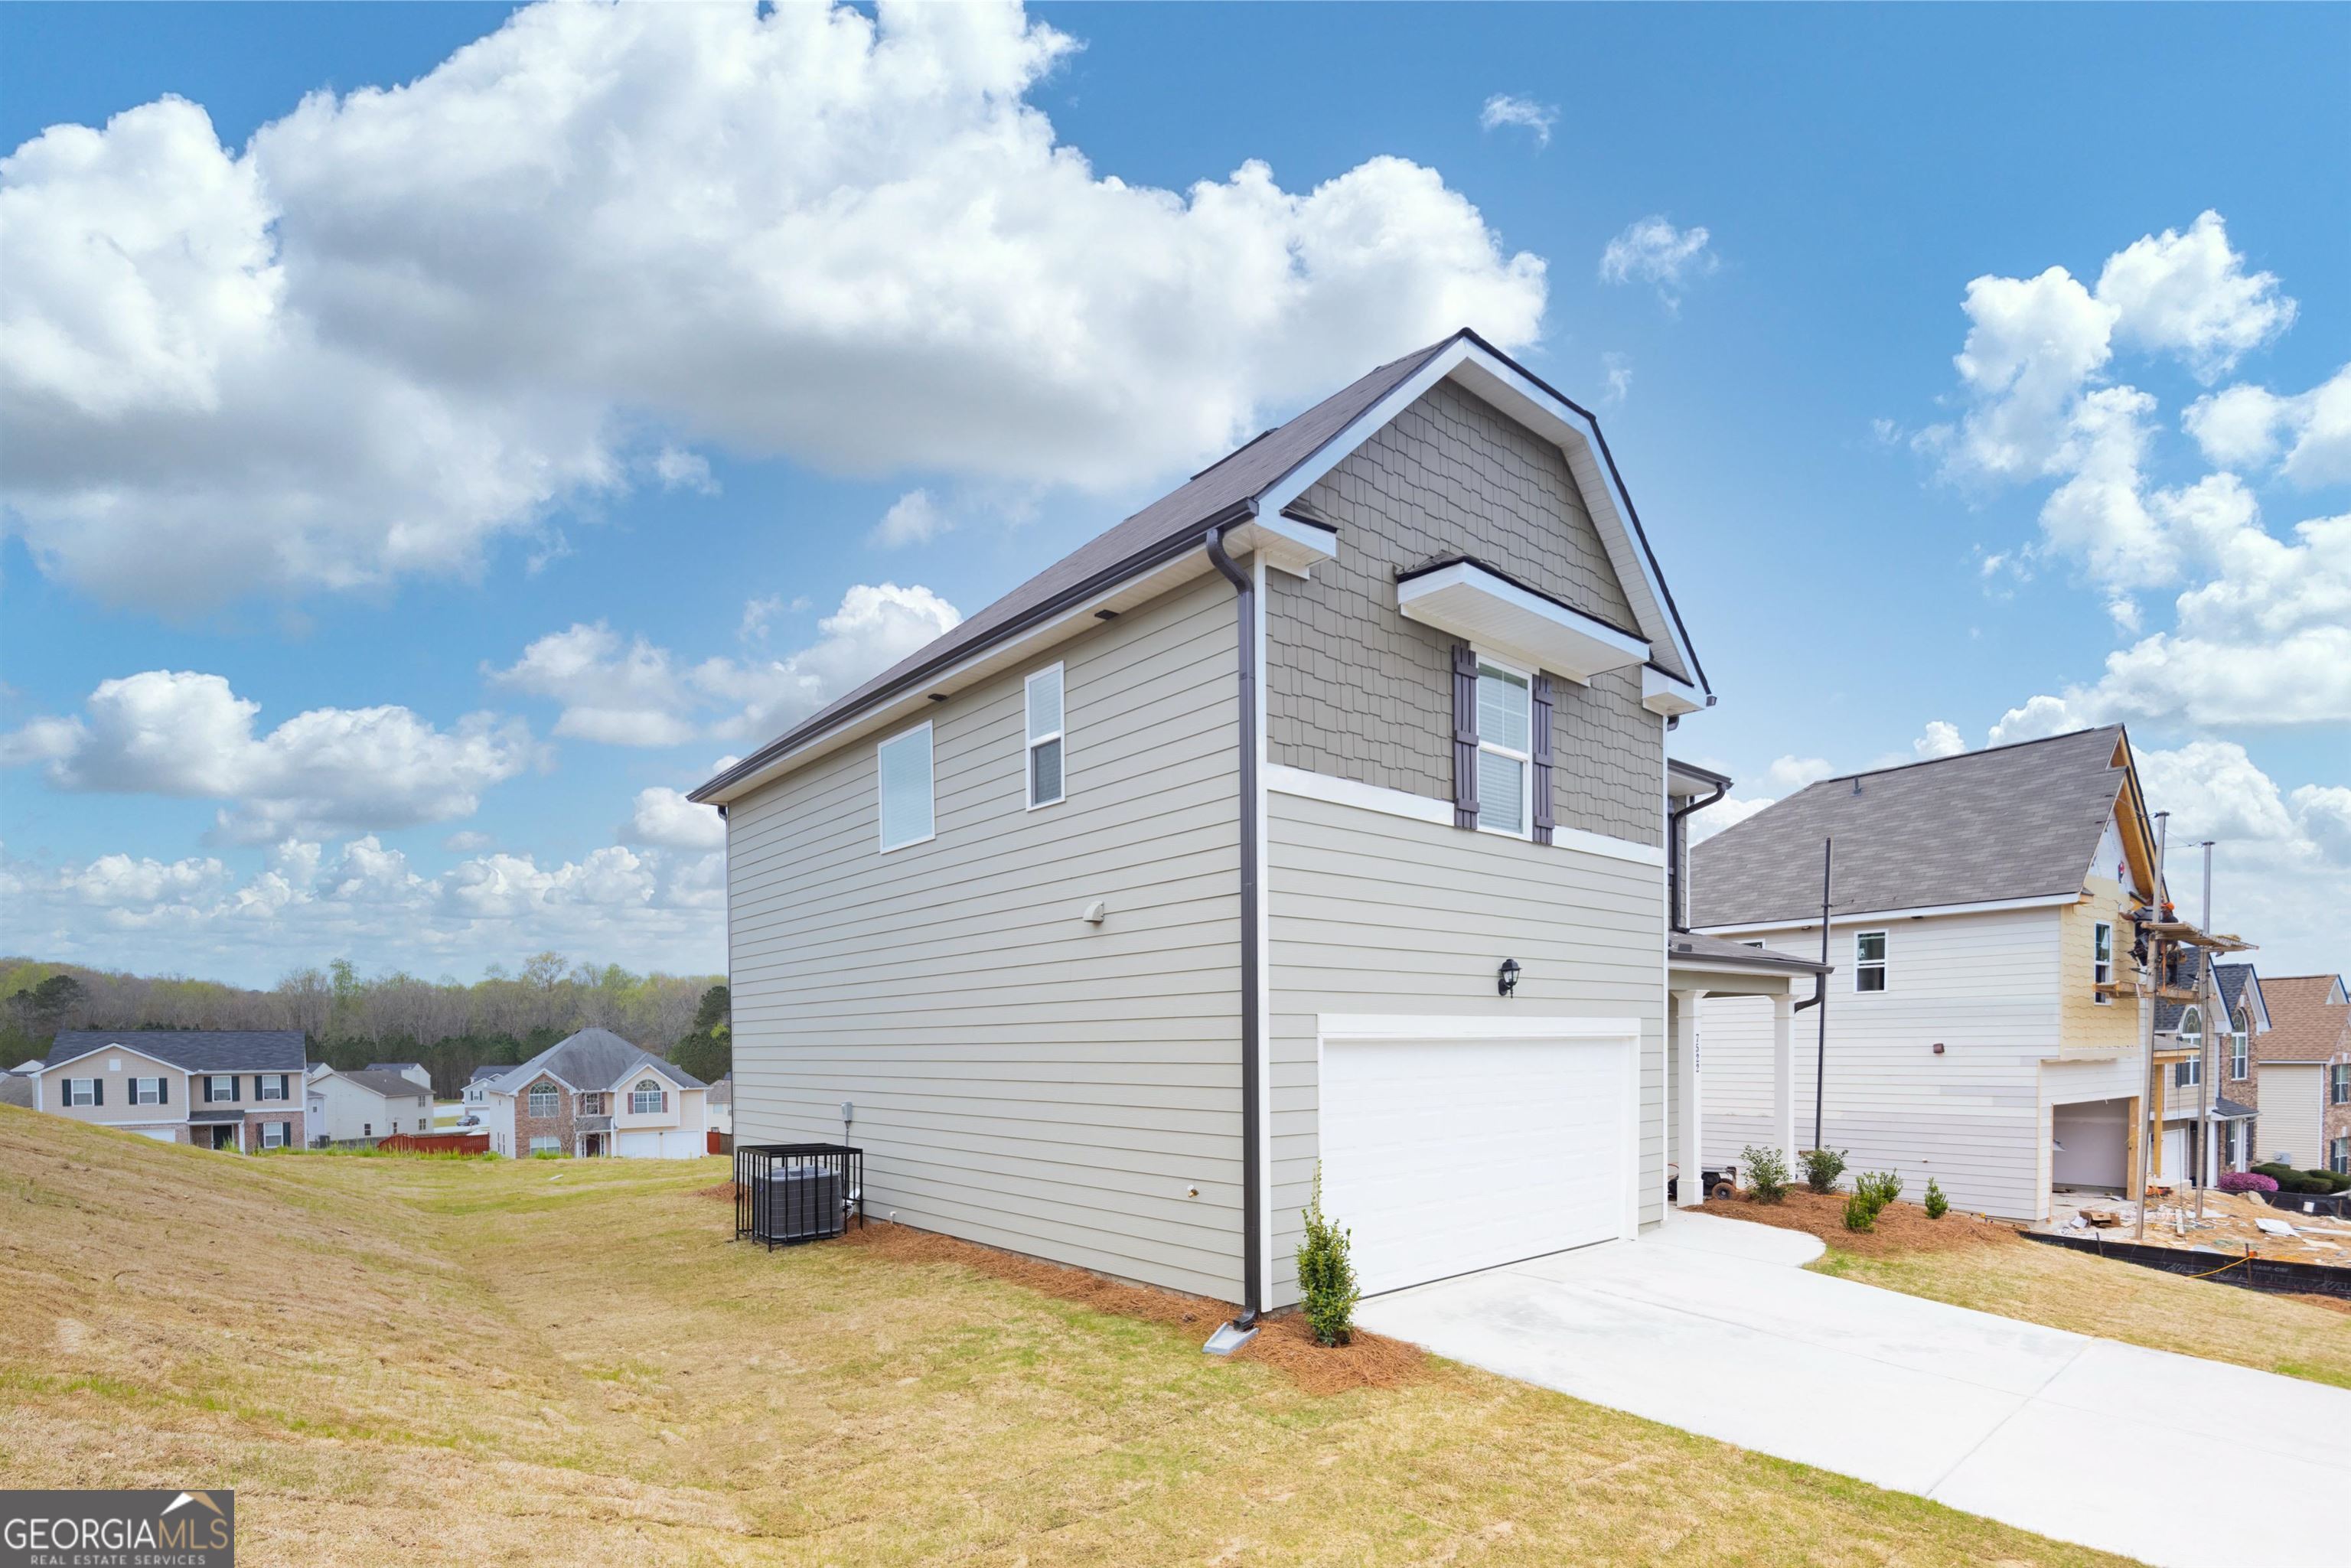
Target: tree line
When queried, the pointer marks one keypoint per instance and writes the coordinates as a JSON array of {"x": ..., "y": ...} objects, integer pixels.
[{"x": 350, "y": 1020}]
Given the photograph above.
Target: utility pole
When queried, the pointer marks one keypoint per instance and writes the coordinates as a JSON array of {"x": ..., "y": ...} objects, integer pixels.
[
  {"x": 2149, "y": 1126},
  {"x": 2207, "y": 991},
  {"x": 1820, "y": 1056}
]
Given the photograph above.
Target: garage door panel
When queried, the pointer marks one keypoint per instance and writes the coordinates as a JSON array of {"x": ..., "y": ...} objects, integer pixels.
[{"x": 1447, "y": 1156}]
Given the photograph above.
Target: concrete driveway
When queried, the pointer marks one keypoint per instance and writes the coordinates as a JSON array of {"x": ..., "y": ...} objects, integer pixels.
[{"x": 1714, "y": 1326}]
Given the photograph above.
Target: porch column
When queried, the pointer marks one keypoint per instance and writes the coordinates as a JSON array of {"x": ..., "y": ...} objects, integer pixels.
[
  {"x": 1690, "y": 1147},
  {"x": 1783, "y": 1076}
]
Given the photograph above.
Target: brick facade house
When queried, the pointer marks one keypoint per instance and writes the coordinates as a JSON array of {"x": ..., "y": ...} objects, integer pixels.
[{"x": 595, "y": 1094}]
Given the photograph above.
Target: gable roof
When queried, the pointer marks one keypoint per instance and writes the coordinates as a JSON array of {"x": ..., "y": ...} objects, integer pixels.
[
  {"x": 191, "y": 1049},
  {"x": 2304, "y": 1025},
  {"x": 1985, "y": 827},
  {"x": 391, "y": 1066},
  {"x": 389, "y": 1086},
  {"x": 2232, "y": 980},
  {"x": 487, "y": 1070},
  {"x": 594, "y": 1058},
  {"x": 1262, "y": 477}
]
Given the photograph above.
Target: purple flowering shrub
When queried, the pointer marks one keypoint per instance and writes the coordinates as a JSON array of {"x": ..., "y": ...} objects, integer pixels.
[{"x": 2246, "y": 1181}]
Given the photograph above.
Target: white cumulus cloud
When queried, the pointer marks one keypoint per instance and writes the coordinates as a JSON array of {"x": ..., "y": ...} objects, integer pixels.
[
  {"x": 913, "y": 519},
  {"x": 2244, "y": 427},
  {"x": 1652, "y": 250},
  {"x": 666, "y": 818},
  {"x": 181, "y": 733},
  {"x": 399, "y": 324}
]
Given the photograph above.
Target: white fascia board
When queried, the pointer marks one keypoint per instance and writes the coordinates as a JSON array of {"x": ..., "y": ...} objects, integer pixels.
[
  {"x": 1286, "y": 544},
  {"x": 1866, "y": 917},
  {"x": 1661, "y": 692},
  {"x": 1487, "y": 610},
  {"x": 1471, "y": 1026}
]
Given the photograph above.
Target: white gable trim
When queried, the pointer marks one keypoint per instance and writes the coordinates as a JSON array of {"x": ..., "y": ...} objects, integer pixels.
[
  {"x": 1864, "y": 916},
  {"x": 1480, "y": 371},
  {"x": 649, "y": 1066}
]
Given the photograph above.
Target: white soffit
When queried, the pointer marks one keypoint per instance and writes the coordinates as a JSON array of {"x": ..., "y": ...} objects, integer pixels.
[
  {"x": 1493, "y": 612},
  {"x": 1660, "y": 693}
]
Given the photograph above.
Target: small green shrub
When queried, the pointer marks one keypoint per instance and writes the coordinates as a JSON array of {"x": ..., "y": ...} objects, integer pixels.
[
  {"x": 1326, "y": 1274},
  {"x": 1937, "y": 1205},
  {"x": 1767, "y": 1173},
  {"x": 1821, "y": 1169},
  {"x": 1860, "y": 1214},
  {"x": 1880, "y": 1187}
]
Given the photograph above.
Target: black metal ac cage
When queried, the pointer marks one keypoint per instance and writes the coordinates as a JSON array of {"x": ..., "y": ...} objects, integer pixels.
[{"x": 786, "y": 1193}]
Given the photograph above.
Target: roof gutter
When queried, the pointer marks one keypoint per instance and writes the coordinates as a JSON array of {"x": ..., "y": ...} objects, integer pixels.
[
  {"x": 1059, "y": 603},
  {"x": 1252, "y": 981}
]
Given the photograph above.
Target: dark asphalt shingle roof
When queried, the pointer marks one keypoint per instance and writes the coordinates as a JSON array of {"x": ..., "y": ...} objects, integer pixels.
[
  {"x": 487, "y": 1070},
  {"x": 1696, "y": 947},
  {"x": 2012, "y": 822},
  {"x": 391, "y": 1085},
  {"x": 1181, "y": 514},
  {"x": 197, "y": 1050},
  {"x": 593, "y": 1059}
]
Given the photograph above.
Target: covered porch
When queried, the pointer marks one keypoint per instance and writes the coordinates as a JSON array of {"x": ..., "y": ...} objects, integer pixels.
[{"x": 1697, "y": 966}]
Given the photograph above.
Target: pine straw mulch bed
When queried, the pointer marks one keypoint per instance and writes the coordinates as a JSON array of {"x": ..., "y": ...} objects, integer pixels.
[
  {"x": 1901, "y": 1227},
  {"x": 1283, "y": 1340}
]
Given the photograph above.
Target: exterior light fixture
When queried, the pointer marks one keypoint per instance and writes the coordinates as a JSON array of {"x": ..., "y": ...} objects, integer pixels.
[{"x": 1506, "y": 980}]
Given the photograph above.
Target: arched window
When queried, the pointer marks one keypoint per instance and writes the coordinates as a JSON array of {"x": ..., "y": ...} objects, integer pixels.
[
  {"x": 646, "y": 1098},
  {"x": 2189, "y": 1073},
  {"x": 2240, "y": 1046},
  {"x": 542, "y": 1099}
]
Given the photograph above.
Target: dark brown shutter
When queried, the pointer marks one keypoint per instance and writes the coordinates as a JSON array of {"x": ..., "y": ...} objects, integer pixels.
[
  {"x": 1542, "y": 757},
  {"x": 1465, "y": 736}
]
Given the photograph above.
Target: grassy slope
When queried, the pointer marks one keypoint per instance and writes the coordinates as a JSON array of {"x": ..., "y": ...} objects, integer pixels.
[
  {"x": 2120, "y": 1300},
  {"x": 420, "y": 1362}
]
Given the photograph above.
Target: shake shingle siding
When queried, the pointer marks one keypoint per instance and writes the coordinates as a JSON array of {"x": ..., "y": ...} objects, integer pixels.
[
  {"x": 1022, "y": 1078},
  {"x": 1356, "y": 691}
]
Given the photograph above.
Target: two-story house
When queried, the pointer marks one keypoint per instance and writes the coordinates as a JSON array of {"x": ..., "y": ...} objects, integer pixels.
[
  {"x": 2210, "y": 1094},
  {"x": 218, "y": 1088},
  {"x": 1312, "y": 816},
  {"x": 2304, "y": 1069},
  {"x": 365, "y": 1105},
  {"x": 594, "y": 1094},
  {"x": 1984, "y": 1023}
]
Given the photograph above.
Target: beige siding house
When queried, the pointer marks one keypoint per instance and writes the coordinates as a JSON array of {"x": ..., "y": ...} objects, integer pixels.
[
  {"x": 1314, "y": 813},
  {"x": 218, "y": 1088},
  {"x": 1985, "y": 1028}
]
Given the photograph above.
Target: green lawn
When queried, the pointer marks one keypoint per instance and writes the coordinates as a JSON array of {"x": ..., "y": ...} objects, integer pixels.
[{"x": 467, "y": 1362}]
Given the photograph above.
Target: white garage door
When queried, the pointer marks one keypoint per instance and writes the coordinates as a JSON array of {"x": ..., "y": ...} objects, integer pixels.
[
  {"x": 653, "y": 1145},
  {"x": 1445, "y": 1155}
]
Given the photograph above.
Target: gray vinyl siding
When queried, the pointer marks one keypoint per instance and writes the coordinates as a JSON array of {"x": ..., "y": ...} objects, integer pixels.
[
  {"x": 1374, "y": 913},
  {"x": 1355, "y": 691},
  {"x": 1021, "y": 1078}
]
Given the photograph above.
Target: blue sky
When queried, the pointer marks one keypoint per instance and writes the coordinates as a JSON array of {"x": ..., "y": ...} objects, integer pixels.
[{"x": 417, "y": 415}]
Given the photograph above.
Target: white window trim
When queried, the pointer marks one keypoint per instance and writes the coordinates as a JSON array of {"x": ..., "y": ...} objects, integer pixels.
[
  {"x": 137, "y": 1084},
  {"x": 553, "y": 1094},
  {"x": 2102, "y": 970},
  {"x": 280, "y": 1129},
  {"x": 639, "y": 1092},
  {"x": 1525, "y": 759},
  {"x": 70, "y": 1082},
  {"x": 1886, "y": 946},
  {"x": 544, "y": 1144},
  {"x": 2240, "y": 1053},
  {"x": 1031, "y": 742},
  {"x": 880, "y": 825}
]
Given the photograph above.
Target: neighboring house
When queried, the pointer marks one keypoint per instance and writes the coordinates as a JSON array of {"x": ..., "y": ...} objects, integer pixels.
[
  {"x": 2303, "y": 1068},
  {"x": 16, "y": 1085},
  {"x": 476, "y": 1097},
  {"x": 1312, "y": 816},
  {"x": 718, "y": 1106},
  {"x": 1983, "y": 1026},
  {"x": 367, "y": 1104},
  {"x": 2209, "y": 1077},
  {"x": 218, "y": 1088},
  {"x": 596, "y": 1095},
  {"x": 414, "y": 1072}
]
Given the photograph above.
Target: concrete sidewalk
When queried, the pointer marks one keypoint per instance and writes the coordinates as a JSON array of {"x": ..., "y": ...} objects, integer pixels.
[{"x": 1714, "y": 1326}]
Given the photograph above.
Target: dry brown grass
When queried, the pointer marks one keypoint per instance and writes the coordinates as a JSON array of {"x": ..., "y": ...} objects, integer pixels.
[{"x": 422, "y": 1361}]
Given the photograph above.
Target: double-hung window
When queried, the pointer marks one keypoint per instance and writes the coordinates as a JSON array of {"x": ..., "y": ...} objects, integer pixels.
[
  {"x": 2240, "y": 1051},
  {"x": 646, "y": 1099},
  {"x": 2338, "y": 1157},
  {"x": 81, "y": 1091},
  {"x": 2102, "y": 961},
  {"x": 543, "y": 1144},
  {"x": 1869, "y": 961},
  {"x": 2189, "y": 1073},
  {"x": 542, "y": 1099},
  {"x": 1042, "y": 699},
  {"x": 2339, "y": 1091},
  {"x": 904, "y": 763},
  {"x": 270, "y": 1086},
  {"x": 1505, "y": 755},
  {"x": 146, "y": 1092},
  {"x": 273, "y": 1135}
]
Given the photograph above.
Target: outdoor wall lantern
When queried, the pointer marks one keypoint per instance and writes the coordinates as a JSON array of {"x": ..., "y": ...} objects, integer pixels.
[{"x": 1506, "y": 980}]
